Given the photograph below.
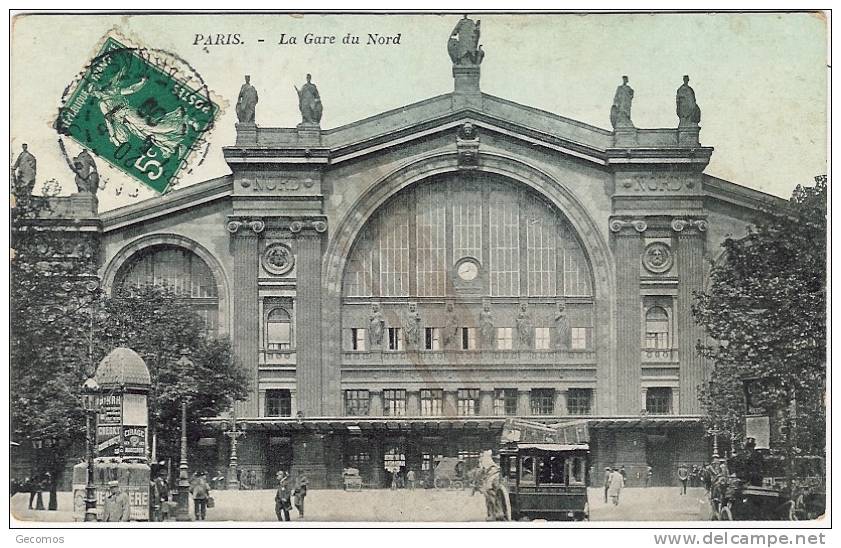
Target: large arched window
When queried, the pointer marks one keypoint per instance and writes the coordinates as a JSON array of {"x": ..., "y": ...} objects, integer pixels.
[
  {"x": 181, "y": 271},
  {"x": 656, "y": 328},
  {"x": 278, "y": 330},
  {"x": 521, "y": 245}
]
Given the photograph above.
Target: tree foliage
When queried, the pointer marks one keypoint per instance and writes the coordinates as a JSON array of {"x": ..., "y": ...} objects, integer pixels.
[{"x": 765, "y": 313}]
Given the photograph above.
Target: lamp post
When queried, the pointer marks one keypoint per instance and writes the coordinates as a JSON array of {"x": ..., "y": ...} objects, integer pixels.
[
  {"x": 90, "y": 391},
  {"x": 715, "y": 432},
  {"x": 235, "y": 432},
  {"x": 182, "y": 510}
]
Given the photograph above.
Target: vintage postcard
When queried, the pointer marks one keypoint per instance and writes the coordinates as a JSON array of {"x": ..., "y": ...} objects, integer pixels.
[{"x": 429, "y": 267}]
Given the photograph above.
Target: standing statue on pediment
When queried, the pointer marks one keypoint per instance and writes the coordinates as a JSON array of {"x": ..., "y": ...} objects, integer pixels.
[
  {"x": 525, "y": 328},
  {"x": 309, "y": 102},
  {"x": 247, "y": 102},
  {"x": 412, "y": 325},
  {"x": 87, "y": 176},
  {"x": 487, "y": 329},
  {"x": 463, "y": 45},
  {"x": 376, "y": 327},
  {"x": 23, "y": 171},
  {"x": 620, "y": 112},
  {"x": 561, "y": 328},
  {"x": 688, "y": 111},
  {"x": 451, "y": 328}
]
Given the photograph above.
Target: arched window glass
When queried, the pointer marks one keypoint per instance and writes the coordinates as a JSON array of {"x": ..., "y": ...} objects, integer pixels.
[
  {"x": 656, "y": 328},
  {"x": 179, "y": 270},
  {"x": 278, "y": 330}
]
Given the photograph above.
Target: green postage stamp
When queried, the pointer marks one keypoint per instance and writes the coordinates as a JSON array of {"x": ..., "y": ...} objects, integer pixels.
[{"x": 143, "y": 111}]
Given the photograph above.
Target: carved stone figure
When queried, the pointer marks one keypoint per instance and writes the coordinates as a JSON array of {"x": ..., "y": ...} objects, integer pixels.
[
  {"x": 620, "y": 112},
  {"x": 451, "y": 328},
  {"x": 24, "y": 171},
  {"x": 463, "y": 45},
  {"x": 487, "y": 329},
  {"x": 412, "y": 326},
  {"x": 246, "y": 102},
  {"x": 688, "y": 111},
  {"x": 309, "y": 102},
  {"x": 376, "y": 326},
  {"x": 525, "y": 328},
  {"x": 87, "y": 177},
  {"x": 561, "y": 328}
]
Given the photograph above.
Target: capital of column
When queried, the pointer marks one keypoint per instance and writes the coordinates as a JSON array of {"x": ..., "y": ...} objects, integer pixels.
[
  {"x": 245, "y": 226},
  {"x": 619, "y": 224},
  {"x": 302, "y": 224},
  {"x": 689, "y": 225}
]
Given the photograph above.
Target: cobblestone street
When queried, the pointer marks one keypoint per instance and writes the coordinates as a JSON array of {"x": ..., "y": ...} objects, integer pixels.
[{"x": 652, "y": 504}]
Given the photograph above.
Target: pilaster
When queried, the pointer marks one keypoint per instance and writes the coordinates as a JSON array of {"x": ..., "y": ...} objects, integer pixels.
[
  {"x": 308, "y": 373},
  {"x": 486, "y": 403},
  {"x": 523, "y": 404}
]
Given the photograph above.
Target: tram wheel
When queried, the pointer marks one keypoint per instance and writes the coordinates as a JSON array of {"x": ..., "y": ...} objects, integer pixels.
[
  {"x": 726, "y": 514},
  {"x": 440, "y": 483}
]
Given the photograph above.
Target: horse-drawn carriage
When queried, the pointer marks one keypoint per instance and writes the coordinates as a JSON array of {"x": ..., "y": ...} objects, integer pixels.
[{"x": 450, "y": 473}]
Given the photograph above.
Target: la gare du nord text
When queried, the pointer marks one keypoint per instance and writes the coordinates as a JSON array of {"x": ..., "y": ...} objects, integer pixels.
[{"x": 310, "y": 39}]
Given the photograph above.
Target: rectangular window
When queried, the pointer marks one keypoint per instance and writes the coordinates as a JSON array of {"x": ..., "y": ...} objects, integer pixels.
[
  {"x": 394, "y": 249},
  {"x": 432, "y": 402},
  {"x": 357, "y": 339},
  {"x": 504, "y": 245},
  {"x": 505, "y": 401},
  {"x": 395, "y": 338},
  {"x": 432, "y": 339},
  {"x": 394, "y": 459},
  {"x": 468, "y": 338},
  {"x": 358, "y": 278},
  {"x": 278, "y": 403},
  {"x": 576, "y": 275},
  {"x": 542, "y": 401},
  {"x": 468, "y": 402},
  {"x": 579, "y": 401},
  {"x": 357, "y": 402},
  {"x": 431, "y": 241},
  {"x": 658, "y": 401},
  {"x": 580, "y": 338},
  {"x": 467, "y": 224},
  {"x": 541, "y": 338},
  {"x": 504, "y": 338},
  {"x": 394, "y": 403}
]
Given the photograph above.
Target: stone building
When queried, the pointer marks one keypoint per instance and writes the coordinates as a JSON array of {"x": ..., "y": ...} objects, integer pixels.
[{"x": 398, "y": 286}]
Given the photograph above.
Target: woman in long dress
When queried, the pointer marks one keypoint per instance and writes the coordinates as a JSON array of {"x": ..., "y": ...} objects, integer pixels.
[{"x": 615, "y": 485}]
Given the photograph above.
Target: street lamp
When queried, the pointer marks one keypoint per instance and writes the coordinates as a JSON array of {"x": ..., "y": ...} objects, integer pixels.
[
  {"x": 90, "y": 394},
  {"x": 182, "y": 498},
  {"x": 235, "y": 432}
]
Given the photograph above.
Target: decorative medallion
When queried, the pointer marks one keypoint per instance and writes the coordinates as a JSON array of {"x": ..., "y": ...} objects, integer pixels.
[
  {"x": 658, "y": 258},
  {"x": 278, "y": 259}
]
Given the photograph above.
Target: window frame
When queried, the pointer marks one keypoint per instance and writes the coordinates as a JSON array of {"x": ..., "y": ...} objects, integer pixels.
[
  {"x": 435, "y": 397},
  {"x": 542, "y": 400},
  {"x": 278, "y": 394},
  {"x": 361, "y": 400},
  {"x": 467, "y": 402}
]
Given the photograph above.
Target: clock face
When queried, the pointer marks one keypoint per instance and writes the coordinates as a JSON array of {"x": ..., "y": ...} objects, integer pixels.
[{"x": 468, "y": 270}]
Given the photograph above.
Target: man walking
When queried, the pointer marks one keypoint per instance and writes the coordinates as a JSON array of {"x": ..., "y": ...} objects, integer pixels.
[
  {"x": 282, "y": 498},
  {"x": 116, "y": 504},
  {"x": 616, "y": 484},
  {"x": 607, "y": 472},
  {"x": 300, "y": 494},
  {"x": 683, "y": 476},
  {"x": 201, "y": 491},
  {"x": 410, "y": 477},
  {"x": 649, "y": 474}
]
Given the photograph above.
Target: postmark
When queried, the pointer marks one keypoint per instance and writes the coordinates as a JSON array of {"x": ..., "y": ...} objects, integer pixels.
[{"x": 136, "y": 109}]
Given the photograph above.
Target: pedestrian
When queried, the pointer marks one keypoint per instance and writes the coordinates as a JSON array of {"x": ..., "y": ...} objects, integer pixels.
[
  {"x": 117, "y": 506},
  {"x": 615, "y": 486},
  {"x": 29, "y": 485},
  {"x": 683, "y": 476},
  {"x": 649, "y": 475},
  {"x": 300, "y": 494},
  {"x": 162, "y": 489},
  {"x": 282, "y": 498},
  {"x": 410, "y": 477},
  {"x": 607, "y": 472},
  {"x": 200, "y": 491},
  {"x": 624, "y": 473},
  {"x": 707, "y": 476}
]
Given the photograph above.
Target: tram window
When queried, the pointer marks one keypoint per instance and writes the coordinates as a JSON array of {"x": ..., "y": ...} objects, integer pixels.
[
  {"x": 527, "y": 470},
  {"x": 551, "y": 470}
]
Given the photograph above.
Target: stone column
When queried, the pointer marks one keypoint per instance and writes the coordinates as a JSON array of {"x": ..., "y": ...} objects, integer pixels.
[
  {"x": 450, "y": 404},
  {"x": 560, "y": 402},
  {"x": 689, "y": 256},
  {"x": 376, "y": 403},
  {"x": 308, "y": 370},
  {"x": 627, "y": 250},
  {"x": 523, "y": 403},
  {"x": 246, "y": 327},
  {"x": 413, "y": 403},
  {"x": 486, "y": 403}
]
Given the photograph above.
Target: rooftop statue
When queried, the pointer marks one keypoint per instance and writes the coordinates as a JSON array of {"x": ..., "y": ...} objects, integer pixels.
[
  {"x": 620, "y": 112},
  {"x": 309, "y": 102},
  {"x": 23, "y": 171},
  {"x": 246, "y": 102},
  {"x": 688, "y": 111},
  {"x": 87, "y": 177},
  {"x": 463, "y": 45}
]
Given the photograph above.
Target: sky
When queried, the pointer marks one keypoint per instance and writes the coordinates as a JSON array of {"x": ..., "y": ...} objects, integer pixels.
[{"x": 760, "y": 79}]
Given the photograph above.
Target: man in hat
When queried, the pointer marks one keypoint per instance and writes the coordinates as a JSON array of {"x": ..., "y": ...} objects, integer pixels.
[
  {"x": 283, "y": 497},
  {"x": 116, "y": 504},
  {"x": 300, "y": 494},
  {"x": 200, "y": 491},
  {"x": 607, "y": 472}
]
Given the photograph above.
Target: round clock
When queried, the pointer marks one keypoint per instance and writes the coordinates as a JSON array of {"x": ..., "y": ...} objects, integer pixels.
[{"x": 468, "y": 270}]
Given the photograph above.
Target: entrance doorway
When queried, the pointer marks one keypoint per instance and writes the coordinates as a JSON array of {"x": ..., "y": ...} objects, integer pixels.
[
  {"x": 278, "y": 457},
  {"x": 660, "y": 452}
]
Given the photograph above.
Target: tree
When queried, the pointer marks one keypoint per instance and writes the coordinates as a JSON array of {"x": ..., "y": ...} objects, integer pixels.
[{"x": 765, "y": 313}]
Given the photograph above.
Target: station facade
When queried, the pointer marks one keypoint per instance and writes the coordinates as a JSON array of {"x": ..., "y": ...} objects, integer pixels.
[{"x": 397, "y": 287}]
